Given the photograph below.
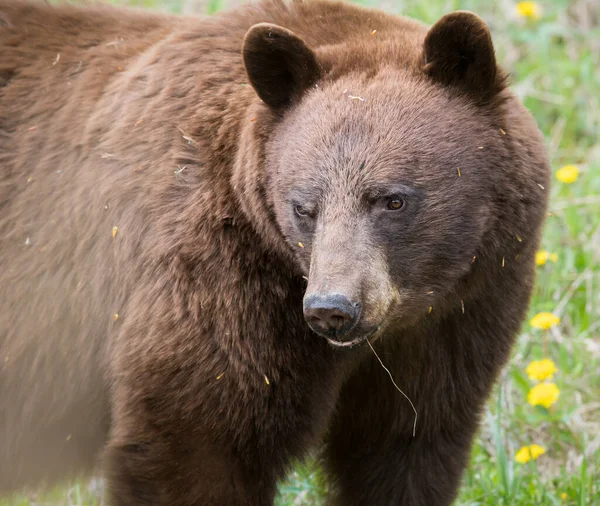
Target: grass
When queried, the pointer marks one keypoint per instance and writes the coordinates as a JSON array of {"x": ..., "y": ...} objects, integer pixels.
[{"x": 555, "y": 67}]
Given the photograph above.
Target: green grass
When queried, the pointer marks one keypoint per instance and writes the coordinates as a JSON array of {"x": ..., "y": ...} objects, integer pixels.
[{"x": 554, "y": 62}]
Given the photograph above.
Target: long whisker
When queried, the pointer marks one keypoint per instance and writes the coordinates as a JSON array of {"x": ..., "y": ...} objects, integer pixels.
[{"x": 397, "y": 387}]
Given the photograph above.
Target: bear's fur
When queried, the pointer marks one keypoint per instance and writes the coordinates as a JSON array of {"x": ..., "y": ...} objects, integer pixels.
[{"x": 161, "y": 224}]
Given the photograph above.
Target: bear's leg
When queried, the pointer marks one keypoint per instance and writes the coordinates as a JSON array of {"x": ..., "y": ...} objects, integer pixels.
[
  {"x": 173, "y": 441},
  {"x": 371, "y": 455},
  {"x": 166, "y": 473},
  {"x": 396, "y": 470}
]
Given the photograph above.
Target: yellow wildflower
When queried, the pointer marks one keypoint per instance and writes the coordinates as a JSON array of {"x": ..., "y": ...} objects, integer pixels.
[
  {"x": 540, "y": 370},
  {"x": 544, "y": 321},
  {"x": 567, "y": 174},
  {"x": 530, "y": 10},
  {"x": 528, "y": 453},
  {"x": 544, "y": 394},
  {"x": 564, "y": 496},
  {"x": 541, "y": 257}
]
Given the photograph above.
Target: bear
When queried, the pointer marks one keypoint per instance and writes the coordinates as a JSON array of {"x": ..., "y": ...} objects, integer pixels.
[{"x": 294, "y": 228}]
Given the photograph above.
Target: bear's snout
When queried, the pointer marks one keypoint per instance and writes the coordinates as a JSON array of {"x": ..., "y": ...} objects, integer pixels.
[{"x": 333, "y": 316}]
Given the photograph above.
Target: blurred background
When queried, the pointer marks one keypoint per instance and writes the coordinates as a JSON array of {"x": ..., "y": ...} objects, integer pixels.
[{"x": 540, "y": 437}]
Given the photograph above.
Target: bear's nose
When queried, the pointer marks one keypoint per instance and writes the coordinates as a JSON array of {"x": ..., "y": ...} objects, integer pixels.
[{"x": 331, "y": 316}]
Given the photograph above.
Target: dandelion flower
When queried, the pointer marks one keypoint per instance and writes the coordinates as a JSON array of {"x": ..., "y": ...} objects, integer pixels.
[
  {"x": 544, "y": 394},
  {"x": 544, "y": 321},
  {"x": 528, "y": 453},
  {"x": 541, "y": 257},
  {"x": 529, "y": 10},
  {"x": 567, "y": 174},
  {"x": 564, "y": 496},
  {"x": 540, "y": 370}
]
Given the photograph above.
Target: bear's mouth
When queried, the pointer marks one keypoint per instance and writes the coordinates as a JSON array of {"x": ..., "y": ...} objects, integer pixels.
[
  {"x": 347, "y": 344},
  {"x": 357, "y": 341}
]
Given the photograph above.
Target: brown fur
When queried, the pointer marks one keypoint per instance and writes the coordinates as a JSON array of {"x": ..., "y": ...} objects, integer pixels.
[{"x": 209, "y": 382}]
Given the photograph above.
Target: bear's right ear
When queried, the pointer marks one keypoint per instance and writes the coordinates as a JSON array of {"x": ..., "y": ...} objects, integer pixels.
[
  {"x": 458, "y": 51},
  {"x": 279, "y": 64}
]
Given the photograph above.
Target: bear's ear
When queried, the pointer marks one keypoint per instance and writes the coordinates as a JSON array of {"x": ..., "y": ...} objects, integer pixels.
[
  {"x": 279, "y": 64},
  {"x": 458, "y": 51}
]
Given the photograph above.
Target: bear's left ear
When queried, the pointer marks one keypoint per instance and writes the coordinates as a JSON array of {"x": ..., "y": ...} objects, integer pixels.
[
  {"x": 458, "y": 51},
  {"x": 279, "y": 64}
]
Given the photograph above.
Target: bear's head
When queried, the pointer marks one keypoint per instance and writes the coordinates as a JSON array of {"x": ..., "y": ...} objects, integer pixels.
[{"x": 381, "y": 182}]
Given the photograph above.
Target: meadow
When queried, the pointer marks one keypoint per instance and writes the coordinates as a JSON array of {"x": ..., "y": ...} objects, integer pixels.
[{"x": 539, "y": 442}]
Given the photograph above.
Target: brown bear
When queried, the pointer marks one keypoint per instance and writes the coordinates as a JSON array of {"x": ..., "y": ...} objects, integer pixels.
[{"x": 207, "y": 224}]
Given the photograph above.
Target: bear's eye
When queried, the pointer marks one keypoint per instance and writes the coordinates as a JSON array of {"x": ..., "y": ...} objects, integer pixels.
[
  {"x": 395, "y": 204},
  {"x": 301, "y": 211}
]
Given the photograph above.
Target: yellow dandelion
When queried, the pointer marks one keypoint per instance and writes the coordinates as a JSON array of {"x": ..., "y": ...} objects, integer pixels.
[
  {"x": 540, "y": 370},
  {"x": 544, "y": 321},
  {"x": 544, "y": 394},
  {"x": 541, "y": 257},
  {"x": 529, "y": 10},
  {"x": 567, "y": 174},
  {"x": 564, "y": 496},
  {"x": 528, "y": 453}
]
